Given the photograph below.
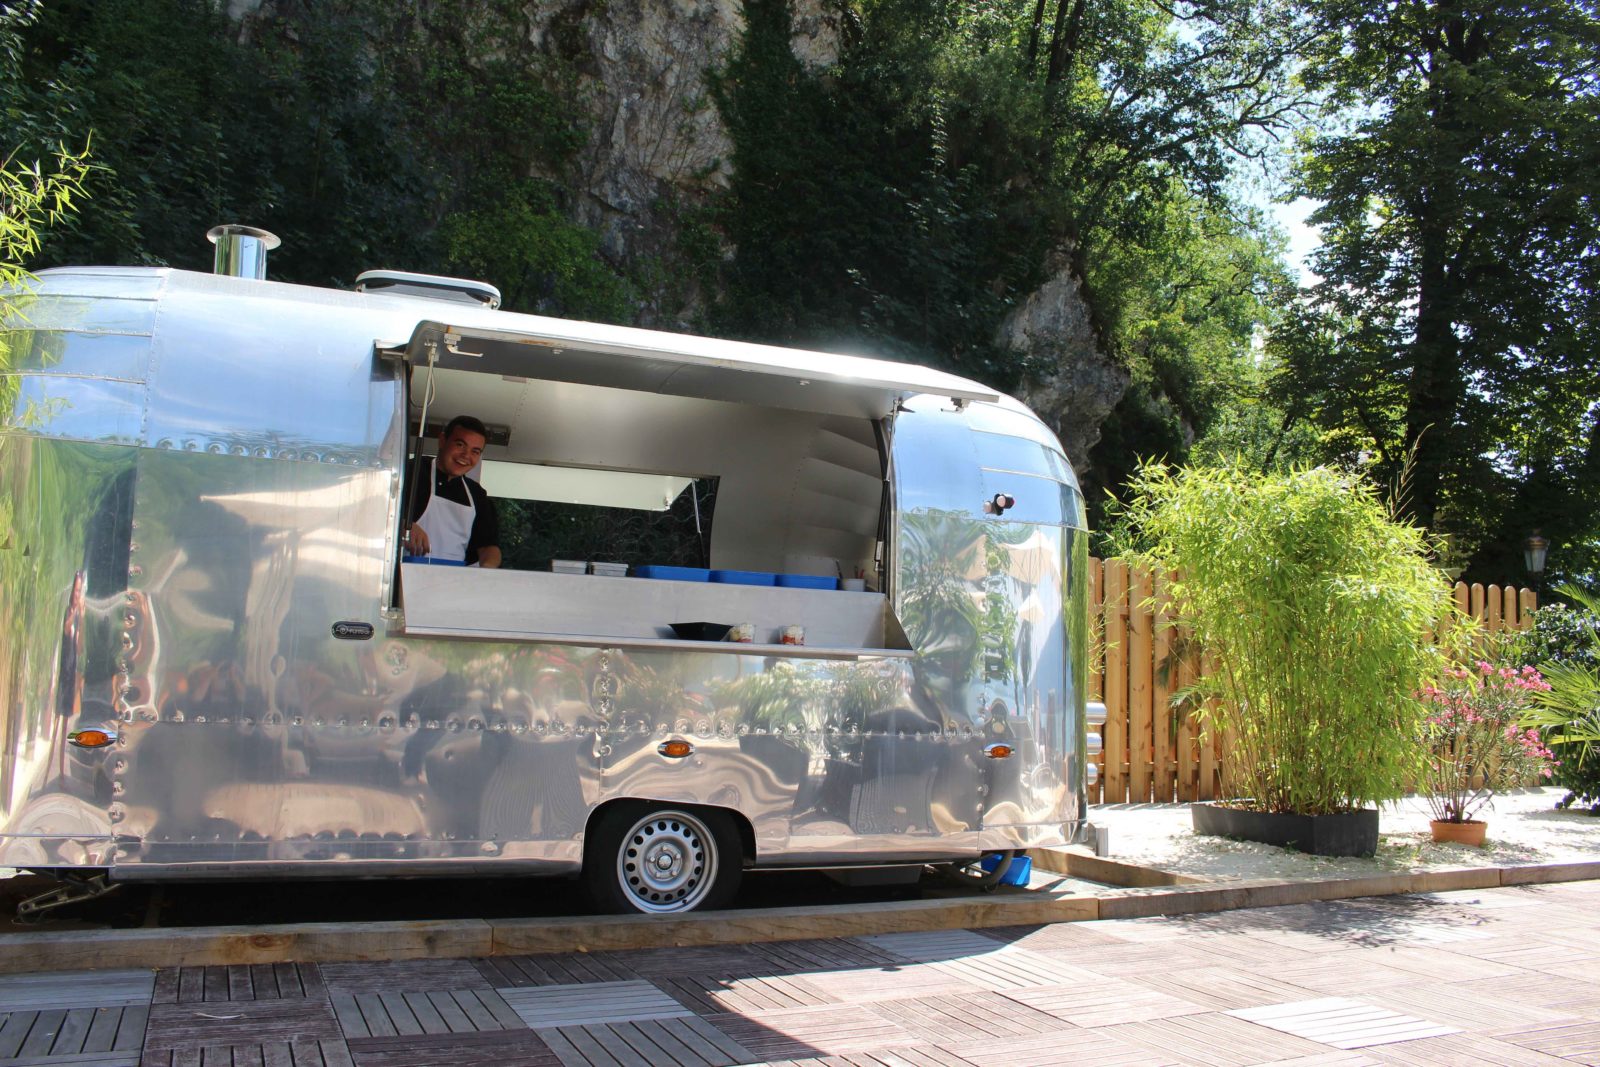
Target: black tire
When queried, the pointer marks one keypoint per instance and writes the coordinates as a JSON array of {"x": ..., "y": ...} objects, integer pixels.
[{"x": 661, "y": 859}]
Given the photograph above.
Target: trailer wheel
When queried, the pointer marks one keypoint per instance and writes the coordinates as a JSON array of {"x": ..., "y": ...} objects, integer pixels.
[{"x": 659, "y": 859}]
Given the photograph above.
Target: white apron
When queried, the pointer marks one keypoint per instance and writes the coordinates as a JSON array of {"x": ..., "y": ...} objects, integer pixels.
[{"x": 447, "y": 524}]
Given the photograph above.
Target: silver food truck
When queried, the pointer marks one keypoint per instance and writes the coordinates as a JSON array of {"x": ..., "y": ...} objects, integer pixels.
[{"x": 215, "y": 661}]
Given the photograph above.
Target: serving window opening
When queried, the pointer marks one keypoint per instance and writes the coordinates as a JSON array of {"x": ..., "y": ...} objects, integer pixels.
[{"x": 622, "y": 510}]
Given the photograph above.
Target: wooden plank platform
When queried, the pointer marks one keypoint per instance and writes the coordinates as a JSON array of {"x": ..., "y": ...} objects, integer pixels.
[{"x": 1493, "y": 975}]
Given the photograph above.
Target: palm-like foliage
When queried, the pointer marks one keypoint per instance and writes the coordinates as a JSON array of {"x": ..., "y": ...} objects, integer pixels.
[{"x": 1568, "y": 715}]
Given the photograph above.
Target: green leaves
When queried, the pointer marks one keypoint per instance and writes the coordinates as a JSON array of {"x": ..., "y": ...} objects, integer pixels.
[
  {"x": 907, "y": 198},
  {"x": 541, "y": 261},
  {"x": 1314, "y": 605},
  {"x": 34, "y": 198},
  {"x": 1458, "y": 315}
]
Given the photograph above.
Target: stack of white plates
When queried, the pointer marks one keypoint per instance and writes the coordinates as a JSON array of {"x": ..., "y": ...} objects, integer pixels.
[
  {"x": 569, "y": 566},
  {"x": 610, "y": 570}
]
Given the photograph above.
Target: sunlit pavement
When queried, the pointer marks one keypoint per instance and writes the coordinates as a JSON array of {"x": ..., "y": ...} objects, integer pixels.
[{"x": 1500, "y": 975}]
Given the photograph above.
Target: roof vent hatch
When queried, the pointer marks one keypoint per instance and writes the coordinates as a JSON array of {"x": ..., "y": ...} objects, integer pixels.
[{"x": 429, "y": 286}]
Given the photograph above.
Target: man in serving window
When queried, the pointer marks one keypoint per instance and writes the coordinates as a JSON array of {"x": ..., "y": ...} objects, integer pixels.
[{"x": 455, "y": 519}]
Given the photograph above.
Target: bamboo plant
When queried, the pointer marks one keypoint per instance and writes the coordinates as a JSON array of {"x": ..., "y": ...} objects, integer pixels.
[{"x": 1314, "y": 603}]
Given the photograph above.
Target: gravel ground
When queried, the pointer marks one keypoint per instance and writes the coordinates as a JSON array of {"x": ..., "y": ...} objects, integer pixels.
[{"x": 1524, "y": 828}]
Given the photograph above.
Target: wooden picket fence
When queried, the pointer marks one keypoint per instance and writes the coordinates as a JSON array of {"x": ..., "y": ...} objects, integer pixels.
[{"x": 1149, "y": 752}]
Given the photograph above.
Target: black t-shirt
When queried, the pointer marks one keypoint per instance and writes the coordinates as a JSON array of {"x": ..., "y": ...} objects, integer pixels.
[{"x": 485, "y": 523}]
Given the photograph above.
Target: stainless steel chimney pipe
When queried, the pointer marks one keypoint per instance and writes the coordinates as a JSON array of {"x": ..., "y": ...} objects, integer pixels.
[{"x": 241, "y": 250}]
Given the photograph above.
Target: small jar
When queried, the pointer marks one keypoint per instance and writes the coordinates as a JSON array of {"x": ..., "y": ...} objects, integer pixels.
[
  {"x": 742, "y": 632},
  {"x": 793, "y": 635}
]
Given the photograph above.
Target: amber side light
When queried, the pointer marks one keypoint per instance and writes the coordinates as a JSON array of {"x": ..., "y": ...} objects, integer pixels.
[
  {"x": 90, "y": 738},
  {"x": 997, "y": 751},
  {"x": 675, "y": 749}
]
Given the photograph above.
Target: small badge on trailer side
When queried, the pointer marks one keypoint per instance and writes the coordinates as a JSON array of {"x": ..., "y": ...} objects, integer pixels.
[{"x": 353, "y": 631}]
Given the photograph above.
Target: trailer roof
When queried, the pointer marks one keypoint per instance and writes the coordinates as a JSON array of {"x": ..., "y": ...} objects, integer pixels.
[{"x": 461, "y": 338}]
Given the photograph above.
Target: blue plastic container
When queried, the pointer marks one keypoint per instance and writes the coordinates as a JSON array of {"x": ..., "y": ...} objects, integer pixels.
[
  {"x": 807, "y": 581},
  {"x": 673, "y": 574},
  {"x": 744, "y": 577},
  {"x": 434, "y": 561},
  {"x": 1016, "y": 874}
]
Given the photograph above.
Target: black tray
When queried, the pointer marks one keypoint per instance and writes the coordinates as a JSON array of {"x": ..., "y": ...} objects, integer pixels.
[{"x": 702, "y": 631}]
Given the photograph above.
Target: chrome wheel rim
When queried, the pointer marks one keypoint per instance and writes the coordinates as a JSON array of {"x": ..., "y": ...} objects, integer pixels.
[{"x": 667, "y": 862}]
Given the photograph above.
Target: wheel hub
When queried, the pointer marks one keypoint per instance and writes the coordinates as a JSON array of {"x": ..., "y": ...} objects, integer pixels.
[{"x": 665, "y": 863}]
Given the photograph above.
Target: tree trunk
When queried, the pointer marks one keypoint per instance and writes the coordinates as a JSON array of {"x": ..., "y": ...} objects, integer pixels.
[
  {"x": 1438, "y": 383},
  {"x": 1033, "y": 35},
  {"x": 1064, "y": 41}
]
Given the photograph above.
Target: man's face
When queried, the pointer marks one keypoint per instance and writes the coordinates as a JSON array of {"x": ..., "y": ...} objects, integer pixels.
[{"x": 459, "y": 451}]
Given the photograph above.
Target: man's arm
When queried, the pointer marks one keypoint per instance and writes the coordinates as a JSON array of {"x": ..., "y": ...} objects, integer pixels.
[{"x": 489, "y": 556}]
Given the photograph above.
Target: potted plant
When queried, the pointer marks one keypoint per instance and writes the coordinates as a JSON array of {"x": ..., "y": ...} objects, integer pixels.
[
  {"x": 1477, "y": 744},
  {"x": 1312, "y": 603}
]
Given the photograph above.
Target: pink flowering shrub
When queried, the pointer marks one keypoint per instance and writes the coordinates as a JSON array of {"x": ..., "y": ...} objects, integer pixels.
[{"x": 1475, "y": 745}]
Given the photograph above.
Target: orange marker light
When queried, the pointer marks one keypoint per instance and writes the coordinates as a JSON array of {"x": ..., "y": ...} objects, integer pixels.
[
  {"x": 675, "y": 749},
  {"x": 91, "y": 738},
  {"x": 997, "y": 751}
]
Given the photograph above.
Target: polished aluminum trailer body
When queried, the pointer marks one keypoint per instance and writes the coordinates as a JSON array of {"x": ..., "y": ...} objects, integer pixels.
[{"x": 205, "y": 475}]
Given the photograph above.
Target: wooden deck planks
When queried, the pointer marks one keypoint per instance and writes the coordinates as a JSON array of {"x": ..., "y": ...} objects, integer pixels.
[
  {"x": 885, "y": 983},
  {"x": 1195, "y": 990},
  {"x": 967, "y": 1017},
  {"x": 97, "y": 1059},
  {"x": 818, "y": 954},
  {"x": 42, "y": 1035},
  {"x": 102, "y": 1035},
  {"x": 76, "y": 989},
  {"x": 727, "y": 960},
  {"x": 404, "y": 976},
  {"x": 550, "y": 969},
  {"x": 712, "y": 995},
  {"x": 225, "y": 984},
  {"x": 519, "y": 1048},
  {"x": 1105, "y": 1002},
  {"x": 181, "y": 1026},
  {"x": 374, "y": 1016},
  {"x": 1067, "y": 1049},
  {"x": 600, "y": 1002},
  {"x": 690, "y": 1042},
  {"x": 811, "y": 1031}
]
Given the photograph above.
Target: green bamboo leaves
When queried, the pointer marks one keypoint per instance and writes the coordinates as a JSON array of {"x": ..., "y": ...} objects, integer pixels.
[{"x": 1315, "y": 605}]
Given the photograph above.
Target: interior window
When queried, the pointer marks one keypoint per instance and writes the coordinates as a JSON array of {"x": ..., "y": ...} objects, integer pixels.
[{"x": 608, "y": 516}]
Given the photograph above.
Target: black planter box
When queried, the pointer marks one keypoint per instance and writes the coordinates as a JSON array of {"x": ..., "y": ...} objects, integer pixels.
[{"x": 1353, "y": 833}]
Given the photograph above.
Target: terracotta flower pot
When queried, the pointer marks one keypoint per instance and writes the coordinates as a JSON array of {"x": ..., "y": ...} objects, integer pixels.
[{"x": 1459, "y": 833}]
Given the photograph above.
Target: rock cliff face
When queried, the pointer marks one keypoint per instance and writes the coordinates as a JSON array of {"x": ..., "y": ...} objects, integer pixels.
[
  {"x": 653, "y": 130},
  {"x": 1072, "y": 384},
  {"x": 656, "y": 143},
  {"x": 656, "y": 139}
]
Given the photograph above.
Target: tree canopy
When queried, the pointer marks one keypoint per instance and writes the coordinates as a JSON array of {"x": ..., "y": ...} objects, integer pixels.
[{"x": 1452, "y": 333}]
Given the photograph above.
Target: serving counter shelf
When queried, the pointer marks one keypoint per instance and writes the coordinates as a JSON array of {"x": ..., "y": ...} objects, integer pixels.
[{"x": 595, "y": 610}]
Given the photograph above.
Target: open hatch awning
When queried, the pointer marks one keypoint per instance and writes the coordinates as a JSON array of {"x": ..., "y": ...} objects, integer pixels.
[{"x": 621, "y": 357}]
